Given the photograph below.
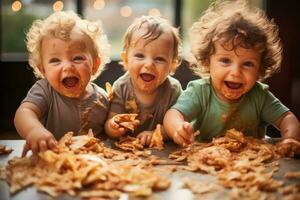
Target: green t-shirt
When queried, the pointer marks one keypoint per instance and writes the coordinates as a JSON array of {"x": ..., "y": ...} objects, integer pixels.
[{"x": 212, "y": 117}]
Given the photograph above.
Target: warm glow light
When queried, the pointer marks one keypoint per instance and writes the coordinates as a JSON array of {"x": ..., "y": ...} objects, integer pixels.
[
  {"x": 99, "y": 4},
  {"x": 58, "y": 6},
  {"x": 125, "y": 11},
  {"x": 16, "y": 6},
  {"x": 154, "y": 12}
]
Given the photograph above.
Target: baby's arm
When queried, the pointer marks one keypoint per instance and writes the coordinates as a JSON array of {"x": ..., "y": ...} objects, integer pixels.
[
  {"x": 290, "y": 132},
  {"x": 289, "y": 126},
  {"x": 27, "y": 123},
  {"x": 178, "y": 128},
  {"x": 113, "y": 129}
]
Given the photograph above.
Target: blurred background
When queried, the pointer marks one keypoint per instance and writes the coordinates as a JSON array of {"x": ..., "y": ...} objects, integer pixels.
[{"x": 116, "y": 15}]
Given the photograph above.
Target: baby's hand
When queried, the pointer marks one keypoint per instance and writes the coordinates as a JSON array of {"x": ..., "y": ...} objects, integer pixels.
[
  {"x": 145, "y": 137},
  {"x": 289, "y": 147},
  {"x": 115, "y": 127},
  {"x": 184, "y": 135},
  {"x": 39, "y": 141}
]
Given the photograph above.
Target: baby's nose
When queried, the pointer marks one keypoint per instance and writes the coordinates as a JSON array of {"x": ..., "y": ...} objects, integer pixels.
[
  {"x": 67, "y": 65},
  {"x": 235, "y": 70},
  {"x": 149, "y": 62}
]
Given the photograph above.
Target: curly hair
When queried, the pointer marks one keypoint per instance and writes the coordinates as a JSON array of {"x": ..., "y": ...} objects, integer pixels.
[
  {"x": 240, "y": 25},
  {"x": 155, "y": 26},
  {"x": 60, "y": 25}
]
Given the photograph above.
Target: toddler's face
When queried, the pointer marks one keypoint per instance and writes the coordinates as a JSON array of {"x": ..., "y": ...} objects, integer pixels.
[
  {"x": 68, "y": 65},
  {"x": 149, "y": 62},
  {"x": 234, "y": 72}
]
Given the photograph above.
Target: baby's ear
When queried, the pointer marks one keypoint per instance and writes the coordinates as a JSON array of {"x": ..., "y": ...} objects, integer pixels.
[
  {"x": 96, "y": 64},
  {"x": 41, "y": 69},
  {"x": 173, "y": 67},
  {"x": 124, "y": 59}
]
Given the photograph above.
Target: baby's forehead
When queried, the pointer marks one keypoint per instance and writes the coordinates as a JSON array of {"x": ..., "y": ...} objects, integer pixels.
[
  {"x": 234, "y": 42},
  {"x": 75, "y": 34},
  {"x": 145, "y": 34}
]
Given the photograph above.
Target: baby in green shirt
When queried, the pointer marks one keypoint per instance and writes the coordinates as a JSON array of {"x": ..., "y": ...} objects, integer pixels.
[{"x": 234, "y": 46}]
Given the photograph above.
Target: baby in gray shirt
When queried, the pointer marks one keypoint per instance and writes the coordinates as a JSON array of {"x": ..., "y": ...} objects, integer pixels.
[
  {"x": 67, "y": 53},
  {"x": 150, "y": 54}
]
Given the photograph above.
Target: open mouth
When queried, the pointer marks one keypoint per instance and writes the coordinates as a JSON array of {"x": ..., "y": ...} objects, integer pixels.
[
  {"x": 70, "y": 82},
  {"x": 233, "y": 86},
  {"x": 147, "y": 77}
]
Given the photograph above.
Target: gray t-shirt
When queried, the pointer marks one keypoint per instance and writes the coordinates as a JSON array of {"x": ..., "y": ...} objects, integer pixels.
[
  {"x": 149, "y": 116},
  {"x": 61, "y": 114}
]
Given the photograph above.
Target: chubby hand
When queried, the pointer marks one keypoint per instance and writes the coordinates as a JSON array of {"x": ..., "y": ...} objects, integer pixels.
[
  {"x": 184, "y": 135},
  {"x": 145, "y": 137},
  {"x": 115, "y": 127},
  {"x": 39, "y": 141},
  {"x": 289, "y": 147}
]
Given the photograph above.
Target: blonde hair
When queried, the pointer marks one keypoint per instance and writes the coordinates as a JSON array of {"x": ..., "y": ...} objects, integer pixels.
[
  {"x": 60, "y": 24},
  {"x": 155, "y": 26},
  {"x": 240, "y": 25}
]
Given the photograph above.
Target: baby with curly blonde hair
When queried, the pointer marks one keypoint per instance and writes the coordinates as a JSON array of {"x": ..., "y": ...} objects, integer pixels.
[
  {"x": 66, "y": 53},
  {"x": 233, "y": 46}
]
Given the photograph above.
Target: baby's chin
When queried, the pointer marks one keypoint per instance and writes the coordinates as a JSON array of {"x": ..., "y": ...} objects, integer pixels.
[{"x": 232, "y": 96}]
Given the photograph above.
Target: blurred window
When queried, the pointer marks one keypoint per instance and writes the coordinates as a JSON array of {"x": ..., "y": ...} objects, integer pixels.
[
  {"x": 17, "y": 17},
  {"x": 116, "y": 15}
]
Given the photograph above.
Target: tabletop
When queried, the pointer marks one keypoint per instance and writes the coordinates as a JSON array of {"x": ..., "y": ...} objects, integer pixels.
[{"x": 174, "y": 192}]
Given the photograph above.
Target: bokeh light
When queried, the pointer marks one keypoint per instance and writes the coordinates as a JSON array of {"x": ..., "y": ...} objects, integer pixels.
[
  {"x": 126, "y": 11},
  {"x": 154, "y": 12},
  {"x": 99, "y": 4},
  {"x": 58, "y": 6},
  {"x": 16, "y": 6}
]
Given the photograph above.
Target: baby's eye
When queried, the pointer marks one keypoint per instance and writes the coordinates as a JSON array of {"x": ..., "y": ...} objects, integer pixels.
[
  {"x": 249, "y": 64},
  {"x": 224, "y": 60},
  {"x": 54, "y": 60},
  {"x": 78, "y": 58},
  {"x": 139, "y": 55},
  {"x": 160, "y": 59}
]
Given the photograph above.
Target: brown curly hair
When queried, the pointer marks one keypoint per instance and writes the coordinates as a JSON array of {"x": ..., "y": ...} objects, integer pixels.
[{"x": 240, "y": 25}]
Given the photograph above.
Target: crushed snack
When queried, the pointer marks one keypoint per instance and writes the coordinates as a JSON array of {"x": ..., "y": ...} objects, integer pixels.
[
  {"x": 240, "y": 163},
  {"x": 157, "y": 138},
  {"x": 109, "y": 91},
  {"x": 82, "y": 162},
  {"x": 127, "y": 121},
  {"x": 5, "y": 150}
]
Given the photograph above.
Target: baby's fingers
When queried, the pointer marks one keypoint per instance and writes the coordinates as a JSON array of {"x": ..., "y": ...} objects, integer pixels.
[
  {"x": 34, "y": 148},
  {"x": 179, "y": 139},
  {"x": 43, "y": 146},
  {"x": 143, "y": 139},
  {"x": 26, "y": 148},
  {"x": 190, "y": 132},
  {"x": 52, "y": 144},
  {"x": 113, "y": 124}
]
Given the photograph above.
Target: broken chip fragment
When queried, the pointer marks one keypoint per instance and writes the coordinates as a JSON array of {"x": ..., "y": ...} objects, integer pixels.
[{"x": 127, "y": 120}]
